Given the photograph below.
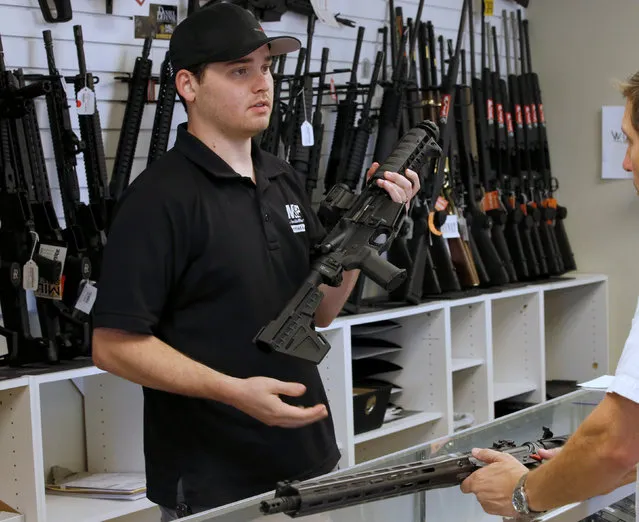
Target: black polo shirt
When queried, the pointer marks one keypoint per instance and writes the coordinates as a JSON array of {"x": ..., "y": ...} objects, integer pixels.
[{"x": 202, "y": 258}]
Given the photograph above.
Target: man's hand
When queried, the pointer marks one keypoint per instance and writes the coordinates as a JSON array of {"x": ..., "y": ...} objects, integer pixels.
[
  {"x": 494, "y": 484},
  {"x": 400, "y": 188},
  {"x": 259, "y": 398}
]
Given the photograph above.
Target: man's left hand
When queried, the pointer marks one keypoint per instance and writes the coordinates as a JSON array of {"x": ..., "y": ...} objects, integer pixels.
[
  {"x": 493, "y": 485},
  {"x": 400, "y": 188}
]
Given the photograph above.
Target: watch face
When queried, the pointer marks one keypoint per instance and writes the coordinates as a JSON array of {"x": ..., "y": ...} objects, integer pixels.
[{"x": 519, "y": 501}]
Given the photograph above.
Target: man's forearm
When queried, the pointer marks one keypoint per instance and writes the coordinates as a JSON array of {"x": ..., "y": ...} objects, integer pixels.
[
  {"x": 593, "y": 462},
  {"x": 334, "y": 298},
  {"x": 150, "y": 362}
]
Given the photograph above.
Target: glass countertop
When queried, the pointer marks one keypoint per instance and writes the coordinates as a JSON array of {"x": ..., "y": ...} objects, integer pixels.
[{"x": 561, "y": 415}]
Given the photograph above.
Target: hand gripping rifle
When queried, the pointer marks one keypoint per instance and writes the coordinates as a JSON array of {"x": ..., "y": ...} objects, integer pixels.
[
  {"x": 307, "y": 498},
  {"x": 370, "y": 222}
]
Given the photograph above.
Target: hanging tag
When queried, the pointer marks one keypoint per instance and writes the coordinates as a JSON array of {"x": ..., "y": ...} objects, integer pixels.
[
  {"x": 87, "y": 298},
  {"x": 30, "y": 275},
  {"x": 85, "y": 102},
  {"x": 323, "y": 14},
  {"x": 450, "y": 228},
  {"x": 488, "y": 7},
  {"x": 52, "y": 289},
  {"x": 307, "y": 134},
  {"x": 463, "y": 228}
]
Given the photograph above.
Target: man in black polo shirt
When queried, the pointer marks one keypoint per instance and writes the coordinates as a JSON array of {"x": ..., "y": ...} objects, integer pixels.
[{"x": 207, "y": 246}]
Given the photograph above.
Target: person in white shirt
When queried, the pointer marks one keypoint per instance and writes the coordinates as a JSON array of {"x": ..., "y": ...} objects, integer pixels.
[{"x": 603, "y": 452}]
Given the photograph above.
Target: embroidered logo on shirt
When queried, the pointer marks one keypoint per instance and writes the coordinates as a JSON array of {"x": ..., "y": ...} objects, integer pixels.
[{"x": 295, "y": 218}]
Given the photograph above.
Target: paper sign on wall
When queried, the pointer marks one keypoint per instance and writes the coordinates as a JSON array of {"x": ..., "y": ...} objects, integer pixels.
[{"x": 613, "y": 143}]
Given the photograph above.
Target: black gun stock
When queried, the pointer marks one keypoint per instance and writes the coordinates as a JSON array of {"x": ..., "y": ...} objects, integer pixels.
[
  {"x": 297, "y": 499},
  {"x": 368, "y": 227}
]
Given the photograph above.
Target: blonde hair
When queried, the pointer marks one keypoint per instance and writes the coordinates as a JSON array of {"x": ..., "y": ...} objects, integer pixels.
[{"x": 630, "y": 90}]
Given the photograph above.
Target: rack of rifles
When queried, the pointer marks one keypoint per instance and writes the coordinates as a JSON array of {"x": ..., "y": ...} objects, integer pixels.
[{"x": 485, "y": 220}]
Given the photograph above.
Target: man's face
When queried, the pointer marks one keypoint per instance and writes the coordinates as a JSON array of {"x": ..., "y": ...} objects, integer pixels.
[
  {"x": 236, "y": 97},
  {"x": 631, "y": 161}
]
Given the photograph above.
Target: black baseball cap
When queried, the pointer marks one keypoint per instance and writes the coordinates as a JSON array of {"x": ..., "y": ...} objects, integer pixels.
[{"x": 221, "y": 32}]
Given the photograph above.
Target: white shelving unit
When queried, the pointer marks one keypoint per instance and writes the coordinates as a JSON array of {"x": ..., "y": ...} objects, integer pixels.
[{"x": 455, "y": 356}]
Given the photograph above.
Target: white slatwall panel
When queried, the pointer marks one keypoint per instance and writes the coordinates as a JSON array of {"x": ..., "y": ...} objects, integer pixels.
[{"x": 111, "y": 50}]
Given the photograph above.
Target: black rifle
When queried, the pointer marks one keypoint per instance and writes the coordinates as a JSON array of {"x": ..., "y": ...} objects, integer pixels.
[
  {"x": 540, "y": 163},
  {"x": 85, "y": 240},
  {"x": 493, "y": 181},
  {"x": 519, "y": 161},
  {"x": 299, "y": 153},
  {"x": 356, "y": 152},
  {"x": 297, "y": 499},
  {"x": 528, "y": 177},
  {"x": 163, "y": 112},
  {"x": 100, "y": 202},
  {"x": 390, "y": 112},
  {"x": 270, "y": 139},
  {"x": 367, "y": 228},
  {"x": 555, "y": 236},
  {"x": 318, "y": 130},
  {"x": 28, "y": 220},
  {"x": 346, "y": 111},
  {"x": 132, "y": 120},
  {"x": 510, "y": 177},
  {"x": 290, "y": 119},
  {"x": 17, "y": 231}
]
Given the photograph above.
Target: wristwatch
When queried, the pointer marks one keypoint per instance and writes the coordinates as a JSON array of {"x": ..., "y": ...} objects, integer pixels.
[{"x": 520, "y": 502}]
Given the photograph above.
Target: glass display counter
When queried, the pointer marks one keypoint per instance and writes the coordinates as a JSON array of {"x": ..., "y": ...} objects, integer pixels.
[{"x": 561, "y": 415}]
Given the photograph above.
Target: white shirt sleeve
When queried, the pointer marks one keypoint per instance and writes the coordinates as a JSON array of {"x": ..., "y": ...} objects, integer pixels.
[{"x": 626, "y": 381}]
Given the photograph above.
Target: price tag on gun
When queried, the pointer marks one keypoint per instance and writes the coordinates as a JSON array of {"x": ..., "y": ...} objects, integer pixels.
[
  {"x": 87, "y": 297},
  {"x": 30, "y": 270},
  {"x": 85, "y": 102},
  {"x": 450, "y": 228}
]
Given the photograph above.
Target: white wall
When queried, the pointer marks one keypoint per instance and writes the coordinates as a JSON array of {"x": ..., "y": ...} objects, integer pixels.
[{"x": 580, "y": 47}]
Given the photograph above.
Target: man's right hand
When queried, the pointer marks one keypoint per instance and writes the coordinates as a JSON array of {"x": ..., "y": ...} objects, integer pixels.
[{"x": 259, "y": 398}]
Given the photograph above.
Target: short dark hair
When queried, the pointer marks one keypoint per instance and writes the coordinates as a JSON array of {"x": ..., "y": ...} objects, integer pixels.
[{"x": 198, "y": 72}]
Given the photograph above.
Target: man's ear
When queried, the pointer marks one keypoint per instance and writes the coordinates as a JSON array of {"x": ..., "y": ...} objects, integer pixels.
[{"x": 186, "y": 85}]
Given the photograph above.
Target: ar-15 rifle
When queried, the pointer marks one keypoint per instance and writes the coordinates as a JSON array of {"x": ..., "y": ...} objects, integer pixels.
[
  {"x": 163, "y": 112},
  {"x": 366, "y": 229},
  {"x": 132, "y": 120},
  {"x": 307, "y": 498}
]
